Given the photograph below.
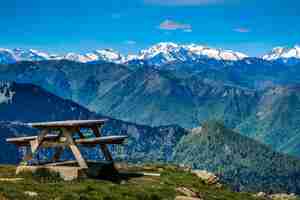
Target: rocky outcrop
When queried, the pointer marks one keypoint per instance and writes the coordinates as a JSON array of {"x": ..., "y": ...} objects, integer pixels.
[
  {"x": 187, "y": 194},
  {"x": 280, "y": 196},
  {"x": 208, "y": 177}
]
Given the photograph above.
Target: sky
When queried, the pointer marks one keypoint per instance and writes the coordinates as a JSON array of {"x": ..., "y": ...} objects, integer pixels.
[{"x": 250, "y": 26}]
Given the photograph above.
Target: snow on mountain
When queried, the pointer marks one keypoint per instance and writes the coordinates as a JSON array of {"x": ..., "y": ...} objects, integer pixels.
[
  {"x": 30, "y": 55},
  {"x": 159, "y": 54},
  {"x": 107, "y": 55},
  {"x": 77, "y": 57},
  {"x": 6, "y": 94},
  {"x": 163, "y": 53},
  {"x": 218, "y": 54},
  {"x": 7, "y": 56},
  {"x": 283, "y": 53}
]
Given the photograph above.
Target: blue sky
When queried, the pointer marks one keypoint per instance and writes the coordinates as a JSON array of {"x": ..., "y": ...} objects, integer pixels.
[{"x": 250, "y": 26}]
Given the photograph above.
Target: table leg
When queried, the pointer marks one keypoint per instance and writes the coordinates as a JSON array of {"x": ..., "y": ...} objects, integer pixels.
[
  {"x": 75, "y": 150},
  {"x": 35, "y": 144},
  {"x": 103, "y": 147}
]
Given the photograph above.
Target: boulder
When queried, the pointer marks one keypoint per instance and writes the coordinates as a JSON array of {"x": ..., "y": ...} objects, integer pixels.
[
  {"x": 186, "y": 192},
  {"x": 31, "y": 194},
  {"x": 261, "y": 195},
  {"x": 283, "y": 196},
  {"x": 206, "y": 176}
]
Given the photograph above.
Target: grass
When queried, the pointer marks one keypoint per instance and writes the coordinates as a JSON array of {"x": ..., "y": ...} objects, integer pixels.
[{"x": 130, "y": 188}]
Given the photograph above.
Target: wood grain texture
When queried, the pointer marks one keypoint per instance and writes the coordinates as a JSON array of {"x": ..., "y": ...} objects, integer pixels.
[
  {"x": 69, "y": 124},
  {"x": 103, "y": 147}
]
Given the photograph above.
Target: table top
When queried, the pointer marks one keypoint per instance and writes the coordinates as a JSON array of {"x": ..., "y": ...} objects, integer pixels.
[{"x": 68, "y": 123}]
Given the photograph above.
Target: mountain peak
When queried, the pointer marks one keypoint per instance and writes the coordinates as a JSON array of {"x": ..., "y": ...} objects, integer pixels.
[
  {"x": 108, "y": 55},
  {"x": 168, "y": 52},
  {"x": 157, "y": 55},
  {"x": 283, "y": 53}
]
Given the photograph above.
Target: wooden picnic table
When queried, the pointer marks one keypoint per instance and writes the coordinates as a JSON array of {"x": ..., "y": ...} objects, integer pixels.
[{"x": 64, "y": 136}]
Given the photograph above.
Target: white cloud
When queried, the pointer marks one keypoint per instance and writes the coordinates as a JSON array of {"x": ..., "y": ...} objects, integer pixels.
[
  {"x": 242, "y": 30},
  {"x": 173, "y": 25}
]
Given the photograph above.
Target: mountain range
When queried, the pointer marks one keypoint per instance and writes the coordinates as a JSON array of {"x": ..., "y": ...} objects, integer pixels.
[
  {"x": 23, "y": 103},
  {"x": 241, "y": 162},
  {"x": 157, "y": 55},
  {"x": 232, "y": 155},
  {"x": 159, "y": 97},
  {"x": 237, "y": 94}
]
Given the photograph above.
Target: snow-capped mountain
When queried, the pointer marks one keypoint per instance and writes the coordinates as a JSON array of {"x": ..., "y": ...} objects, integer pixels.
[
  {"x": 30, "y": 55},
  {"x": 283, "y": 53},
  {"x": 107, "y": 55},
  {"x": 159, "y": 54},
  {"x": 7, "y": 56},
  {"x": 77, "y": 57},
  {"x": 164, "y": 53},
  {"x": 156, "y": 55}
]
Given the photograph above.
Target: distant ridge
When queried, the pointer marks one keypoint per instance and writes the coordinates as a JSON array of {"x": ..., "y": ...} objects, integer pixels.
[
  {"x": 158, "y": 54},
  {"x": 243, "y": 162}
]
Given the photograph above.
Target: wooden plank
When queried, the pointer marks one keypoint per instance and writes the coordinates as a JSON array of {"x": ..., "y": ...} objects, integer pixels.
[
  {"x": 26, "y": 140},
  {"x": 77, "y": 154},
  {"x": 69, "y": 124},
  {"x": 103, "y": 147},
  {"x": 62, "y": 163},
  {"x": 102, "y": 140},
  {"x": 21, "y": 139},
  {"x": 35, "y": 144}
]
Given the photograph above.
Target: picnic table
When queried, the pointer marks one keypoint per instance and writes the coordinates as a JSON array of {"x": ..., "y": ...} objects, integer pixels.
[{"x": 68, "y": 134}]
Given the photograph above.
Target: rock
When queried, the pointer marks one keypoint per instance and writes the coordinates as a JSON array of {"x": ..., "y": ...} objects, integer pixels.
[
  {"x": 261, "y": 195},
  {"x": 283, "y": 196},
  {"x": 275, "y": 196},
  {"x": 206, "y": 176},
  {"x": 186, "y": 192},
  {"x": 185, "y": 168},
  {"x": 31, "y": 194},
  {"x": 187, "y": 198},
  {"x": 160, "y": 169}
]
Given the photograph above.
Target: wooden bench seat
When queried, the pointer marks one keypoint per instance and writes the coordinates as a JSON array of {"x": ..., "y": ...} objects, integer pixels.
[
  {"x": 25, "y": 141},
  {"x": 102, "y": 140}
]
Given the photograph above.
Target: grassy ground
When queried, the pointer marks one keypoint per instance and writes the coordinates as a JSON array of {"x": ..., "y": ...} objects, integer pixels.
[{"x": 130, "y": 187}]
